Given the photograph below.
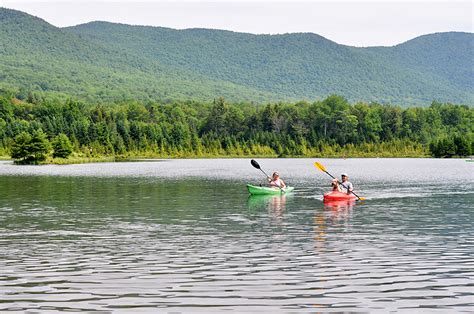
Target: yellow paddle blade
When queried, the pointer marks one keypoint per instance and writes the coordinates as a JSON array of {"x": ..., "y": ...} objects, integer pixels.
[
  {"x": 319, "y": 166},
  {"x": 362, "y": 199}
]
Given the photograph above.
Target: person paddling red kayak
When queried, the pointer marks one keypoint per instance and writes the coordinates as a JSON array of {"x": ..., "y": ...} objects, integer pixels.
[
  {"x": 340, "y": 192},
  {"x": 337, "y": 193},
  {"x": 346, "y": 185}
]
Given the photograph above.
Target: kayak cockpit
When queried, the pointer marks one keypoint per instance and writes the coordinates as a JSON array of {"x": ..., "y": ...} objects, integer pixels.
[
  {"x": 338, "y": 196},
  {"x": 263, "y": 190}
]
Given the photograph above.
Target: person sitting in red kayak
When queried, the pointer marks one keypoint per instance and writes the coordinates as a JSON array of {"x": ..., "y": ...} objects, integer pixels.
[
  {"x": 276, "y": 182},
  {"x": 346, "y": 186}
]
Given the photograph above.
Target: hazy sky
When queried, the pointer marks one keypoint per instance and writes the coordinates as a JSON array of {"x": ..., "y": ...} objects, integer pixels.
[{"x": 351, "y": 22}]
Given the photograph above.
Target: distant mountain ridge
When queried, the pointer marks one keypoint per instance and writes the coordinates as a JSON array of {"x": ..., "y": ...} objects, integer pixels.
[{"x": 108, "y": 61}]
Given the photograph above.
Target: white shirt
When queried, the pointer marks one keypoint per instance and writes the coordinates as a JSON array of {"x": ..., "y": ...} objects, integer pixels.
[{"x": 345, "y": 185}]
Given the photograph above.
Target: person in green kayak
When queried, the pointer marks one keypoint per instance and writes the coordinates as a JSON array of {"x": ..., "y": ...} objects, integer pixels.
[
  {"x": 346, "y": 186},
  {"x": 276, "y": 182}
]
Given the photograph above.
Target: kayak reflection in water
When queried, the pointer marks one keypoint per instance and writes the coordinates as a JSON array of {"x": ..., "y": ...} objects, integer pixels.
[
  {"x": 338, "y": 206},
  {"x": 346, "y": 186},
  {"x": 276, "y": 182},
  {"x": 275, "y": 204}
]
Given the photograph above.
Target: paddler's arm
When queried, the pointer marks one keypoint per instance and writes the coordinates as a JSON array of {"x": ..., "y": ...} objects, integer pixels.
[{"x": 350, "y": 188}]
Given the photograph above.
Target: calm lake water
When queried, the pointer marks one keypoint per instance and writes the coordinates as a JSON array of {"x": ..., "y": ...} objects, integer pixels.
[{"x": 184, "y": 236}]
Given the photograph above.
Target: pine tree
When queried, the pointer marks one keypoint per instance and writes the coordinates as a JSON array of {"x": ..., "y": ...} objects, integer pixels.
[{"x": 62, "y": 146}]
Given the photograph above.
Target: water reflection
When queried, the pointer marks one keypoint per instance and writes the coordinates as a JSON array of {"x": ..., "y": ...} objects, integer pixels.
[
  {"x": 339, "y": 209},
  {"x": 339, "y": 205},
  {"x": 335, "y": 214},
  {"x": 275, "y": 204},
  {"x": 319, "y": 222}
]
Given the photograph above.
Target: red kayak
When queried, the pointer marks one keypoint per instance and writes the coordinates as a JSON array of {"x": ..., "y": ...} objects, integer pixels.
[{"x": 338, "y": 196}]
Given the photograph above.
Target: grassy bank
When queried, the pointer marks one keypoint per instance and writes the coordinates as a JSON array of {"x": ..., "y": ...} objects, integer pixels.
[
  {"x": 128, "y": 157},
  {"x": 391, "y": 149},
  {"x": 384, "y": 150},
  {"x": 79, "y": 160},
  {"x": 367, "y": 150}
]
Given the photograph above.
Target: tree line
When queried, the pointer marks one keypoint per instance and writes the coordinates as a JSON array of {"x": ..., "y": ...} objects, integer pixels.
[{"x": 33, "y": 129}]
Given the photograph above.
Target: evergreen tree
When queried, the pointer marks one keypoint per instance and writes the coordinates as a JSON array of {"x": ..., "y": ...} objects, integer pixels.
[
  {"x": 30, "y": 149},
  {"x": 39, "y": 146},
  {"x": 62, "y": 146},
  {"x": 463, "y": 147},
  {"x": 20, "y": 149}
]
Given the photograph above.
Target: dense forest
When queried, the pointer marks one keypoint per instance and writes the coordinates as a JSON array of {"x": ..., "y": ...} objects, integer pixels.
[
  {"x": 108, "y": 62},
  {"x": 331, "y": 127}
]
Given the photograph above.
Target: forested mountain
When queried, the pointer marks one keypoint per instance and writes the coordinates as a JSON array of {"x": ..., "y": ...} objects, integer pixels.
[
  {"x": 105, "y": 61},
  {"x": 448, "y": 55},
  {"x": 35, "y": 55}
]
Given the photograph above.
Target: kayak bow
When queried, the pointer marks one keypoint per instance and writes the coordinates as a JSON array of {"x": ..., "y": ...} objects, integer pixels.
[{"x": 263, "y": 190}]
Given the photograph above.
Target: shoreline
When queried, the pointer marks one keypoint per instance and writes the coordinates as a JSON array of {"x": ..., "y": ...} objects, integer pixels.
[
  {"x": 151, "y": 157},
  {"x": 113, "y": 159},
  {"x": 102, "y": 159}
]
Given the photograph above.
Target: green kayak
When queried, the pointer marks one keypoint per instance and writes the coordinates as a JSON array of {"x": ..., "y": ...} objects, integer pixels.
[{"x": 263, "y": 190}]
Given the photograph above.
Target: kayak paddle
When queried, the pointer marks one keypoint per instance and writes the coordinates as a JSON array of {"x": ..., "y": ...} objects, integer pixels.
[
  {"x": 323, "y": 169},
  {"x": 256, "y": 165}
]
